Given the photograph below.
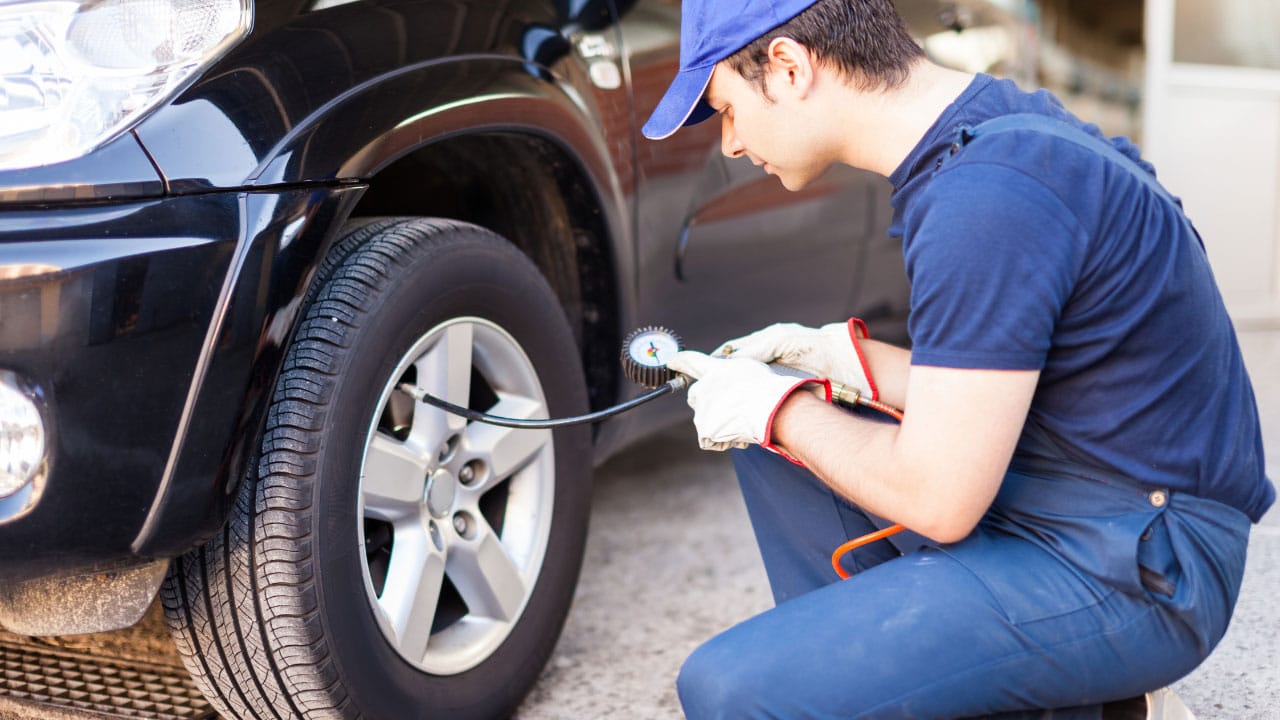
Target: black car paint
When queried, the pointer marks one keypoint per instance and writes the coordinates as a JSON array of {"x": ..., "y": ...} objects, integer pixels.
[
  {"x": 182, "y": 251},
  {"x": 110, "y": 333}
]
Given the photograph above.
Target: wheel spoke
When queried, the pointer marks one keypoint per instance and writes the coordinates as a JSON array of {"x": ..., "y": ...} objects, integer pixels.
[
  {"x": 412, "y": 590},
  {"x": 508, "y": 449},
  {"x": 393, "y": 479},
  {"x": 487, "y": 577},
  {"x": 445, "y": 372}
]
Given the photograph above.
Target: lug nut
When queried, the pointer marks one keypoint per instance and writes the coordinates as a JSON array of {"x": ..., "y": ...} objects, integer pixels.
[{"x": 447, "y": 449}]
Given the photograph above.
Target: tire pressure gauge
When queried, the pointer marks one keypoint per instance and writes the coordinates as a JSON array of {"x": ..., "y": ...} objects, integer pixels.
[{"x": 645, "y": 354}]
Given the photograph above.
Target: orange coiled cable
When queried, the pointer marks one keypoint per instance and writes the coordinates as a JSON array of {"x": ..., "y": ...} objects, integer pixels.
[{"x": 861, "y": 540}]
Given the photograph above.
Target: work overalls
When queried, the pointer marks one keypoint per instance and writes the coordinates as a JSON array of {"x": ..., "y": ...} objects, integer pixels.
[{"x": 1078, "y": 587}]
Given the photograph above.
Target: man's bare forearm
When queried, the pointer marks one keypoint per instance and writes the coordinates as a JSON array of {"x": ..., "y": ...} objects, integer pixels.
[
  {"x": 857, "y": 458},
  {"x": 938, "y": 471},
  {"x": 890, "y": 366}
]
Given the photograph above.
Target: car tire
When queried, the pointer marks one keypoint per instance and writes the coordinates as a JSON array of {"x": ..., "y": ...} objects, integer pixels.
[{"x": 385, "y": 559}]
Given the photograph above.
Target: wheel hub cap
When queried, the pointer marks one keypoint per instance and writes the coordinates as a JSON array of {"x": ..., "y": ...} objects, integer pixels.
[{"x": 441, "y": 489}]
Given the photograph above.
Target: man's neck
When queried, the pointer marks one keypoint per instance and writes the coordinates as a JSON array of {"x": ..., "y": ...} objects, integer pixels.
[{"x": 883, "y": 127}]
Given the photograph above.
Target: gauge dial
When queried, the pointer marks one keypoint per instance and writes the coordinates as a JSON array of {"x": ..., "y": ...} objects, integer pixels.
[{"x": 645, "y": 354}]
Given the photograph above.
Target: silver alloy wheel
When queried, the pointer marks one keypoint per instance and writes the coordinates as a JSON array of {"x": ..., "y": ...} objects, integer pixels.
[{"x": 425, "y": 476}]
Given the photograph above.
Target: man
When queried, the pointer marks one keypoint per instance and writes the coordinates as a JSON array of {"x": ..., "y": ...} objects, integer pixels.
[{"x": 1080, "y": 457}]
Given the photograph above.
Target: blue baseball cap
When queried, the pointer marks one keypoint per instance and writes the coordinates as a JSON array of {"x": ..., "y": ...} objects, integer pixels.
[{"x": 710, "y": 31}]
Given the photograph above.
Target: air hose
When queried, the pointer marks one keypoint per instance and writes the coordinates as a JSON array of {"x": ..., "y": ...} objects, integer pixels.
[{"x": 672, "y": 385}]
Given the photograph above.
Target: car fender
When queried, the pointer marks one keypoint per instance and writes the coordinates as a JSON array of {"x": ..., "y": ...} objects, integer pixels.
[{"x": 342, "y": 143}]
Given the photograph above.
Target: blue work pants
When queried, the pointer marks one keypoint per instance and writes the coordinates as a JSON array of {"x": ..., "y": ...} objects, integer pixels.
[{"x": 1073, "y": 591}]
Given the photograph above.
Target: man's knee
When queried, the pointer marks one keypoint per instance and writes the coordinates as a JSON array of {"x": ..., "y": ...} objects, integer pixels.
[
  {"x": 716, "y": 682},
  {"x": 702, "y": 687}
]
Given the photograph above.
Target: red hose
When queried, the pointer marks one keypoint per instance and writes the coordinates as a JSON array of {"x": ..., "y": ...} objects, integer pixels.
[{"x": 861, "y": 540}]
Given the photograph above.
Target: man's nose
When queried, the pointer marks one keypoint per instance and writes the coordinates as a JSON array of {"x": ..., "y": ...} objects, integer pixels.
[{"x": 730, "y": 145}]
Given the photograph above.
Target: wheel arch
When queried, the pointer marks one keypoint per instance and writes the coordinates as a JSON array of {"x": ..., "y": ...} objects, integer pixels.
[
  {"x": 533, "y": 192},
  {"x": 491, "y": 141}
]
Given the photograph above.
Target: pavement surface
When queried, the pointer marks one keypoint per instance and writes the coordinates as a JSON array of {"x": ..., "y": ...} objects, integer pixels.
[{"x": 671, "y": 561}]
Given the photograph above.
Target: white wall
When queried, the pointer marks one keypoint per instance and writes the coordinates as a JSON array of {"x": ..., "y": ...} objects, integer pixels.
[{"x": 1213, "y": 132}]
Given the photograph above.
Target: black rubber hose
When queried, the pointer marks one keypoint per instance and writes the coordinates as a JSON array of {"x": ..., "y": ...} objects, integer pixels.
[{"x": 667, "y": 388}]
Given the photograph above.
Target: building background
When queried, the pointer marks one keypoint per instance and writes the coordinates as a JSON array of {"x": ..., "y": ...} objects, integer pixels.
[{"x": 1195, "y": 82}]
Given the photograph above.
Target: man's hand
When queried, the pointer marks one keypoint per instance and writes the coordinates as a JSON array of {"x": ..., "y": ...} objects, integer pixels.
[
  {"x": 734, "y": 400},
  {"x": 831, "y": 351}
]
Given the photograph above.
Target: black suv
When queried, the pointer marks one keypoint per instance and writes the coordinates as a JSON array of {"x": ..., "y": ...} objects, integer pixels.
[{"x": 235, "y": 236}]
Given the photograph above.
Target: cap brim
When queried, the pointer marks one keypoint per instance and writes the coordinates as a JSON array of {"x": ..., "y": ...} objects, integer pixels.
[{"x": 681, "y": 105}]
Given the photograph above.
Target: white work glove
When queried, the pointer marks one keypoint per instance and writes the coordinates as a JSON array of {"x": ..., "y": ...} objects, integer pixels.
[
  {"x": 734, "y": 400},
  {"x": 831, "y": 352}
]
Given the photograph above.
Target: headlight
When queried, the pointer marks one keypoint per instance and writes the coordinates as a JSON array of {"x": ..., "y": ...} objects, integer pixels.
[
  {"x": 21, "y": 436},
  {"x": 74, "y": 74}
]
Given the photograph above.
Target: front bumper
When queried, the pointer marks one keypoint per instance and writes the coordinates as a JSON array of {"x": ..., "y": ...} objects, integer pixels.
[{"x": 151, "y": 331}]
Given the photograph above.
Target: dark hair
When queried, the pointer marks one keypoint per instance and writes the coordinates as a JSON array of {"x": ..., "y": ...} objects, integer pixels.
[{"x": 865, "y": 40}]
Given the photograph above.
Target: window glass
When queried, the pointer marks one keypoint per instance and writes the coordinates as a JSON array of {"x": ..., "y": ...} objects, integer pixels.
[{"x": 1241, "y": 33}]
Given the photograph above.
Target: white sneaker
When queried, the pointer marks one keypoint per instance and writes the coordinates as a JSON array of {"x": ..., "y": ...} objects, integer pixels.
[{"x": 1164, "y": 704}]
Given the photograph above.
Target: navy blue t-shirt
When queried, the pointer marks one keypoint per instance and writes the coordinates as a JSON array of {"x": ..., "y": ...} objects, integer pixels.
[{"x": 1029, "y": 252}]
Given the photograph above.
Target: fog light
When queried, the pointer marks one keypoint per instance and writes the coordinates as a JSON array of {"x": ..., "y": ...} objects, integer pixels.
[{"x": 21, "y": 436}]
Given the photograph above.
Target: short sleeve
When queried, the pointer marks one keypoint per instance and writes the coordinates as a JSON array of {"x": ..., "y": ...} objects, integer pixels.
[{"x": 992, "y": 254}]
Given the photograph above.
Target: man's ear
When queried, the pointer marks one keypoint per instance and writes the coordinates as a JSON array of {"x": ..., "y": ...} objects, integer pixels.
[{"x": 791, "y": 64}]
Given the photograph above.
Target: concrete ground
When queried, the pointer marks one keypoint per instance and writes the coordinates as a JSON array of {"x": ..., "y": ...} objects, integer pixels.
[{"x": 671, "y": 561}]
